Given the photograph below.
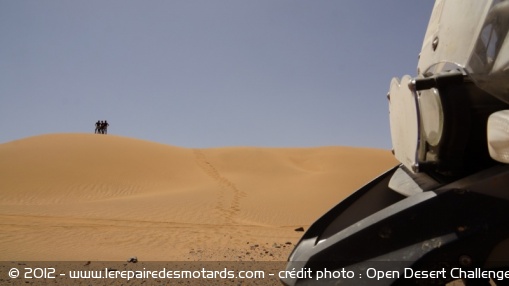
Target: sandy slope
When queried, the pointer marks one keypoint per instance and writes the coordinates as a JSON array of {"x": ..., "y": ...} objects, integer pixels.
[{"x": 104, "y": 197}]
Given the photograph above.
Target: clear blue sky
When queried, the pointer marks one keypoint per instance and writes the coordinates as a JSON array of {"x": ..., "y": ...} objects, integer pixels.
[{"x": 207, "y": 73}]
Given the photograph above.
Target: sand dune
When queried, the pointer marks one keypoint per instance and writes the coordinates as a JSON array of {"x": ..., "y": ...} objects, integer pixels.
[{"x": 105, "y": 197}]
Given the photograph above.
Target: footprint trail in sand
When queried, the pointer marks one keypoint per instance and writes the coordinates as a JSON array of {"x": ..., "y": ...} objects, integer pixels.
[{"x": 227, "y": 190}]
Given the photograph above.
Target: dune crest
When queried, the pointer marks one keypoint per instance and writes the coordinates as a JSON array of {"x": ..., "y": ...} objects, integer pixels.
[{"x": 116, "y": 196}]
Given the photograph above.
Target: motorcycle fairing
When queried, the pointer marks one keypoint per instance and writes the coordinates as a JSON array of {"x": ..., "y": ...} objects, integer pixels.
[{"x": 428, "y": 230}]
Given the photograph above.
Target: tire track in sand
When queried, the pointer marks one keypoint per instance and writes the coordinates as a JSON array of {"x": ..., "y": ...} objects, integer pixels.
[{"x": 227, "y": 188}]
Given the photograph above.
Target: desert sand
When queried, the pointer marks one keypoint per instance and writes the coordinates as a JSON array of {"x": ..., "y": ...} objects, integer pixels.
[{"x": 91, "y": 197}]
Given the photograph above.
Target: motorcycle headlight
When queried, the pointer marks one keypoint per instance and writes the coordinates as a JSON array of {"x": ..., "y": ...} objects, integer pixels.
[
  {"x": 417, "y": 118},
  {"x": 440, "y": 123},
  {"x": 405, "y": 122},
  {"x": 433, "y": 118}
]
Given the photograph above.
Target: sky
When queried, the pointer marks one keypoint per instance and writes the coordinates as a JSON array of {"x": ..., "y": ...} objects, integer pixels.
[{"x": 207, "y": 73}]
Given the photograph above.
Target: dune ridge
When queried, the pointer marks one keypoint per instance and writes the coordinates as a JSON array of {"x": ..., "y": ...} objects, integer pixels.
[{"x": 116, "y": 197}]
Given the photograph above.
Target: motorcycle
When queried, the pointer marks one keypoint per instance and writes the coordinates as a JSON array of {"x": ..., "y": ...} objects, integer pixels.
[{"x": 443, "y": 213}]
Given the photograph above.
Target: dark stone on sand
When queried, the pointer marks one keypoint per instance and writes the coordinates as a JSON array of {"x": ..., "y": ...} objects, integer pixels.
[
  {"x": 133, "y": 259},
  {"x": 300, "y": 229}
]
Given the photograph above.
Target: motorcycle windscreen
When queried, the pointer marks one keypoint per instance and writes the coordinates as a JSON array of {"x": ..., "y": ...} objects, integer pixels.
[
  {"x": 489, "y": 62},
  {"x": 479, "y": 43},
  {"x": 450, "y": 35},
  {"x": 404, "y": 120}
]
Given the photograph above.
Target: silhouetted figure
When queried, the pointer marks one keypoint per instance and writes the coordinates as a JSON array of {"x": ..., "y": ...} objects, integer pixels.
[
  {"x": 105, "y": 127},
  {"x": 97, "y": 127}
]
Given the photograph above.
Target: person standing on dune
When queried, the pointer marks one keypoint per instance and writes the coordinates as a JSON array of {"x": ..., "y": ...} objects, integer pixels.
[
  {"x": 97, "y": 127},
  {"x": 105, "y": 127}
]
